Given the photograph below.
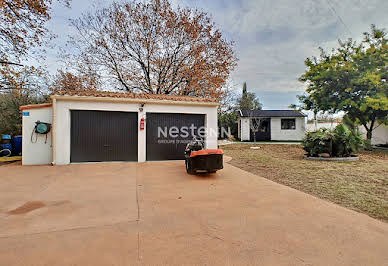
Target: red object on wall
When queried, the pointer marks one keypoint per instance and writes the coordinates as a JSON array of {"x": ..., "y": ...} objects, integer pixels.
[{"x": 142, "y": 124}]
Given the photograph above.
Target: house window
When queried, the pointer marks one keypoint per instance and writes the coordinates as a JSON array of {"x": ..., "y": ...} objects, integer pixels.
[{"x": 288, "y": 123}]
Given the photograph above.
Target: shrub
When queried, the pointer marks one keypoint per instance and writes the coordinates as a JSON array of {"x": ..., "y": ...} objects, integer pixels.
[
  {"x": 10, "y": 115},
  {"x": 346, "y": 141},
  {"x": 227, "y": 120},
  {"x": 339, "y": 142},
  {"x": 317, "y": 142}
]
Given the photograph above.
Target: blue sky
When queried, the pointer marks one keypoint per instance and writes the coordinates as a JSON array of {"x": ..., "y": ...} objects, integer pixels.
[{"x": 272, "y": 37}]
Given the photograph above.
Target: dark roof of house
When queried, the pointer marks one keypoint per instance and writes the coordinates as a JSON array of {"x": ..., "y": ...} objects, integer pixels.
[{"x": 271, "y": 113}]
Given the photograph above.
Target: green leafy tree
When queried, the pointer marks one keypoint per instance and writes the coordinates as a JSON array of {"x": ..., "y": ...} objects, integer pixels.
[
  {"x": 10, "y": 116},
  {"x": 248, "y": 100},
  {"x": 227, "y": 122},
  {"x": 28, "y": 86},
  {"x": 227, "y": 114},
  {"x": 351, "y": 78}
]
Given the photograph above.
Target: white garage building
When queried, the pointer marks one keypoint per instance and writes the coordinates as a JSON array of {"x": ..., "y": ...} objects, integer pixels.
[{"x": 96, "y": 126}]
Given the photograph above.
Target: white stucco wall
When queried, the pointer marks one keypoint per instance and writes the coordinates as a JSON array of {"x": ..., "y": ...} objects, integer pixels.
[
  {"x": 379, "y": 134},
  {"x": 277, "y": 133},
  {"x": 62, "y": 124},
  {"x": 245, "y": 129},
  {"x": 312, "y": 127},
  {"x": 38, "y": 152},
  {"x": 239, "y": 128}
]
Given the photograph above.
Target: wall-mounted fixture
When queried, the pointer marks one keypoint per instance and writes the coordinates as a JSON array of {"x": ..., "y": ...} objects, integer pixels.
[
  {"x": 141, "y": 107},
  {"x": 142, "y": 123},
  {"x": 40, "y": 128}
]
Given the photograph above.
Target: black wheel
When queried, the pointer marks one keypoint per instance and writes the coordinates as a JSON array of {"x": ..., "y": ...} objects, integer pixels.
[{"x": 189, "y": 170}]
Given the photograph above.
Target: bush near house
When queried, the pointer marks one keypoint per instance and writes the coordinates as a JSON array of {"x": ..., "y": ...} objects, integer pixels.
[
  {"x": 10, "y": 115},
  {"x": 339, "y": 142},
  {"x": 228, "y": 122}
]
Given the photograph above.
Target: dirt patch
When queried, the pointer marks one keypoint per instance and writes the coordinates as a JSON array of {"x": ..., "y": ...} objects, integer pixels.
[
  {"x": 58, "y": 203},
  {"x": 360, "y": 185},
  {"x": 27, "y": 207}
]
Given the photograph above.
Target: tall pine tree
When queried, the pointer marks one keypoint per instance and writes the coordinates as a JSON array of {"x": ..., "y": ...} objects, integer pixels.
[{"x": 248, "y": 100}]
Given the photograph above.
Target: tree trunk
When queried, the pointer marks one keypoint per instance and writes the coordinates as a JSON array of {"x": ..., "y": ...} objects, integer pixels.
[
  {"x": 331, "y": 147},
  {"x": 369, "y": 134},
  {"x": 369, "y": 129}
]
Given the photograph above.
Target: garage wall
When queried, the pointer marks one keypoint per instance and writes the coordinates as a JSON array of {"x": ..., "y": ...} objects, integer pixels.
[
  {"x": 62, "y": 129},
  {"x": 38, "y": 152},
  {"x": 287, "y": 134}
]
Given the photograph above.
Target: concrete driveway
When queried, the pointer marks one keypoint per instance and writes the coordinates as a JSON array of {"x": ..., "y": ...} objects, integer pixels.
[{"x": 156, "y": 214}]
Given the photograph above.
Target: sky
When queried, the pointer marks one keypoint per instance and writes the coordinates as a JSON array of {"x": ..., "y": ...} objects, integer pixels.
[{"x": 272, "y": 38}]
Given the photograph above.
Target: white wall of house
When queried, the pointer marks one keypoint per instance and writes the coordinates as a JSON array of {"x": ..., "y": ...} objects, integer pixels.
[
  {"x": 277, "y": 133},
  {"x": 239, "y": 128},
  {"x": 39, "y": 151},
  {"x": 62, "y": 122},
  {"x": 245, "y": 129}
]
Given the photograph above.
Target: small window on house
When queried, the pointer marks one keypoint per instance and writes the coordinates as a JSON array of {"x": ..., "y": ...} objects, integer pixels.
[{"x": 288, "y": 123}]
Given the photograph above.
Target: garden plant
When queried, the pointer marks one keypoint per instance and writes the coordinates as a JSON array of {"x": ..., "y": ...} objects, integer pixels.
[{"x": 338, "y": 142}]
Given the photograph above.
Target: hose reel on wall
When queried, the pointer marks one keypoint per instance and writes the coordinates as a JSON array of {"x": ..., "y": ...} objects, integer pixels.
[{"x": 41, "y": 128}]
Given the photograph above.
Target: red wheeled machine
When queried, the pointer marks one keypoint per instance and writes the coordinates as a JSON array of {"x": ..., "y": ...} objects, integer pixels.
[{"x": 199, "y": 160}]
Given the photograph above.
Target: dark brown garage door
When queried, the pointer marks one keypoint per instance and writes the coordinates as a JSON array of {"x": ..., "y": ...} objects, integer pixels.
[
  {"x": 98, "y": 136},
  {"x": 161, "y": 145}
]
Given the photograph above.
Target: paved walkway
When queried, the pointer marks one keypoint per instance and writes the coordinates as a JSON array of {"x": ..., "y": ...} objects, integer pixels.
[{"x": 156, "y": 214}]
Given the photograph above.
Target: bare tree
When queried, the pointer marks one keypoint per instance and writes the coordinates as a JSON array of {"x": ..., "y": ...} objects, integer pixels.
[
  {"x": 64, "y": 80},
  {"x": 29, "y": 79},
  {"x": 152, "y": 48},
  {"x": 22, "y": 27},
  {"x": 255, "y": 123}
]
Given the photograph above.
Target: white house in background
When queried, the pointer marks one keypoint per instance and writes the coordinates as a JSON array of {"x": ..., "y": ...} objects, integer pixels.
[{"x": 276, "y": 125}]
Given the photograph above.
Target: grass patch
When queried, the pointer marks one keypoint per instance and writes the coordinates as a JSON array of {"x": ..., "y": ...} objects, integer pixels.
[{"x": 360, "y": 185}]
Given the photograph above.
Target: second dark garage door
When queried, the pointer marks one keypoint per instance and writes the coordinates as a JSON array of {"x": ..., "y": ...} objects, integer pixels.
[
  {"x": 98, "y": 136},
  {"x": 163, "y": 146}
]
